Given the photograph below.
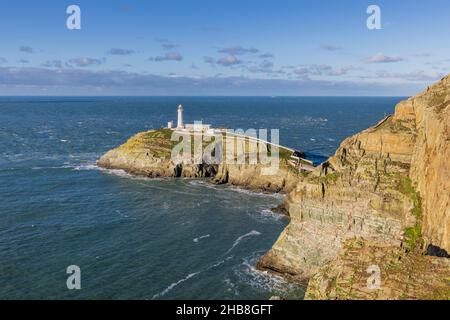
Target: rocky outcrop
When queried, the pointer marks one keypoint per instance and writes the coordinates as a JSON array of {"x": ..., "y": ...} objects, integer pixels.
[
  {"x": 355, "y": 193},
  {"x": 251, "y": 177},
  {"x": 401, "y": 275},
  {"x": 149, "y": 154},
  {"x": 388, "y": 185}
]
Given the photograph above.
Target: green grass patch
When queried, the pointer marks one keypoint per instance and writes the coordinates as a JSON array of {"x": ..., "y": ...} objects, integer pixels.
[
  {"x": 406, "y": 186},
  {"x": 329, "y": 178},
  {"x": 417, "y": 210},
  {"x": 285, "y": 154},
  {"x": 332, "y": 177},
  {"x": 413, "y": 237}
]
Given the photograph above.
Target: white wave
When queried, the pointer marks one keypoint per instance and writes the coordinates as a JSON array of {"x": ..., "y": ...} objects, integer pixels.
[
  {"x": 203, "y": 184},
  {"x": 201, "y": 237},
  {"x": 231, "y": 287},
  {"x": 116, "y": 172},
  {"x": 69, "y": 166},
  {"x": 173, "y": 285},
  {"x": 197, "y": 182},
  {"x": 216, "y": 264},
  {"x": 83, "y": 167},
  {"x": 87, "y": 166},
  {"x": 262, "y": 280},
  {"x": 238, "y": 240},
  {"x": 165, "y": 205},
  {"x": 210, "y": 185},
  {"x": 44, "y": 168},
  {"x": 308, "y": 119},
  {"x": 255, "y": 193},
  {"x": 267, "y": 215},
  {"x": 189, "y": 276}
]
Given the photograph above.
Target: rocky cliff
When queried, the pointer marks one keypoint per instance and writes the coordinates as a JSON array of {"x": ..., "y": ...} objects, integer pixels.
[{"x": 388, "y": 185}]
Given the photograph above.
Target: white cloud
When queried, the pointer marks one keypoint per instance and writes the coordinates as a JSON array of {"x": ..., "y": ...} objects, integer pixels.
[
  {"x": 266, "y": 67},
  {"x": 419, "y": 75},
  {"x": 26, "y": 80},
  {"x": 229, "y": 61},
  {"x": 266, "y": 56},
  {"x": 238, "y": 50},
  {"x": 322, "y": 70},
  {"x": 53, "y": 64},
  {"x": 169, "y": 56},
  {"x": 209, "y": 60},
  {"x": 120, "y": 52},
  {"x": 85, "y": 62},
  {"x": 330, "y": 47},
  {"x": 169, "y": 46},
  {"x": 382, "y": 58},
  {"x": 26, "y": 49}
]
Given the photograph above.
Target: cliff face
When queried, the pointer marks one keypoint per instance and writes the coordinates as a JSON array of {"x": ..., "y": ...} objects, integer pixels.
[
  {"x": 149, "y": 154},
  {"x": 388, "y": 185},
  {"x": 430, "y": 165},
  {"x": 356, "y": 193}
]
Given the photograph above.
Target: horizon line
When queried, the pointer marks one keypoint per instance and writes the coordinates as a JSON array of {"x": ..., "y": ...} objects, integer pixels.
[{"x": 205, "y": 96}]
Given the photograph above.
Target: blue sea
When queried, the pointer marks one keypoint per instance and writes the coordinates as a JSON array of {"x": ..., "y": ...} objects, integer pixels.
[{"x": 136, "y": 238}]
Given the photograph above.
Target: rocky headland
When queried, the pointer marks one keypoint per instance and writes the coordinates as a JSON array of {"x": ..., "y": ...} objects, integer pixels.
[
  {"x": 382, "y": 200},
  {"x": 149, "y": 154}
]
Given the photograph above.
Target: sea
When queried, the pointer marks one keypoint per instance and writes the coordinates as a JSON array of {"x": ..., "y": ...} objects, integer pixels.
[{"x": 140, "y": 238}]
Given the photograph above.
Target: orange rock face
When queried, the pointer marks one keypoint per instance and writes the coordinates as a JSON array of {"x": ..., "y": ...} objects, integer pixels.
[
  {"x": 430, "y": 165},
  {"x": 388, "y": 179}
]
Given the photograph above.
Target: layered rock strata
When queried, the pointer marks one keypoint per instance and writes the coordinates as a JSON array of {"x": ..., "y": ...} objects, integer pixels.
[{"x": 388, "y": 185}]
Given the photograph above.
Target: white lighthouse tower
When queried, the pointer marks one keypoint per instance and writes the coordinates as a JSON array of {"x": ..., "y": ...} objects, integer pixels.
[{"x": 180, "y": 124}]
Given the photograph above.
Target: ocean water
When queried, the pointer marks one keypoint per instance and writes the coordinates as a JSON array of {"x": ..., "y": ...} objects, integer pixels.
[{"x": 136, "y": 238}]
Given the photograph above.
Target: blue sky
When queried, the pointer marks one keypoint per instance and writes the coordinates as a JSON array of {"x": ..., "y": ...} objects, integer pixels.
[{"x": 265, "y": 47}]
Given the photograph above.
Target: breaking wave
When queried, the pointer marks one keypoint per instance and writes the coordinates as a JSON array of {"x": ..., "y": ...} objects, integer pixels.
[
  {"x": 173, "y": 285},
  {"x": 189, "y": 276},
  {"x": 238, "y": 240},
  {"x": 201, "y": 237},
  {"x": 263, "y": 280},
  {"x": 218, "y": 263}
]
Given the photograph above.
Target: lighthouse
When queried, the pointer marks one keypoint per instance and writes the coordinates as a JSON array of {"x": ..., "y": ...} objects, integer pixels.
[{"x": 180, "y": 124}]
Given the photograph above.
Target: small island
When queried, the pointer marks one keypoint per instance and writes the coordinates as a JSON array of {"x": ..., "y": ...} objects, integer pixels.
[{"x": 150, "y": 154}]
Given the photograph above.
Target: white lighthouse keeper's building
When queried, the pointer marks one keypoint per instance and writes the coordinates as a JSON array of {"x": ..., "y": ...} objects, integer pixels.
[{"x": 180, "y": 124}]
